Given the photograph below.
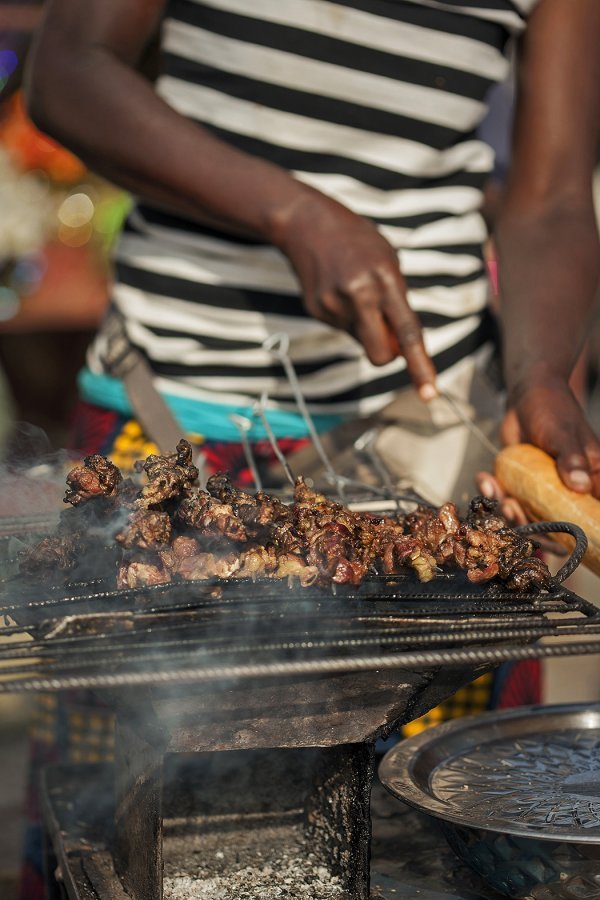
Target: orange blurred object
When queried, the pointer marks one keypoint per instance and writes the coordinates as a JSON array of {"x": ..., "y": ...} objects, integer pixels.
[
  {"x": 71, "y": 296},
  {"x": 31, "y": 149}
]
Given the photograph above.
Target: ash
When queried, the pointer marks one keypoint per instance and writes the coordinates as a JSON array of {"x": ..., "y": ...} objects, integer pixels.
[
  {"x": 233, "y": 829},
  {"x": 226, "y": 860}
]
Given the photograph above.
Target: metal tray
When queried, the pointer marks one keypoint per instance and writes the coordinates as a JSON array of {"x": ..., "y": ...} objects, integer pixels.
[{"x": 529, "y": 772}]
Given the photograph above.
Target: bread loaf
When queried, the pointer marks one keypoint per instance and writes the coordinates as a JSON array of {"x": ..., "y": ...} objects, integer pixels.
[{"x": 530, "y": 475}]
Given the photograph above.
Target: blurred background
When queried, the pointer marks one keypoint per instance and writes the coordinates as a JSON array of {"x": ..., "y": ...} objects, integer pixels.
[{"x": 57, "y": 224}]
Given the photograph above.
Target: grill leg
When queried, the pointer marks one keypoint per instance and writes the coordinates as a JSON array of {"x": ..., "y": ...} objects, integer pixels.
[
  {"x": 338, "y": 817},
  {"x": 139, "y": 753}
]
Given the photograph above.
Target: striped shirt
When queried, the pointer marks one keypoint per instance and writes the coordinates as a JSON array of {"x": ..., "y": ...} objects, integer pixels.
[{"x": 376, "y": 103}]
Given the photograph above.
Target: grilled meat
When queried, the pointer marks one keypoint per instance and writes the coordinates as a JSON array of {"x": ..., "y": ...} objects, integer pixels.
[
  {"x": 258, "y": 513},
  {"x": 491, "y": 549},
  {"x": 97, "y": 476},
  {"x": 142, "y": 573},
  {"x": 59, "y": 552},
  {"x": 97, "y": 495},
  {"x": 174, "y": 531},
  {"x": 146, "y": 529},
  {"x": 437, "y": 532},
  {"x": 204, "y": 566},
  {"x": 168, "y": 476},
  {"x": 211, "y": 517}
]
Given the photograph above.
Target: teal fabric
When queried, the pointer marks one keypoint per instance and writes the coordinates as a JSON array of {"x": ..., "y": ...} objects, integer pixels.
[{"x": 211, "y": 420}]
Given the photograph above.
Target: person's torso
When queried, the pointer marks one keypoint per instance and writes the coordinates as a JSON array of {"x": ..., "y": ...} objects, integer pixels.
[{"x": 373, "y": 102}]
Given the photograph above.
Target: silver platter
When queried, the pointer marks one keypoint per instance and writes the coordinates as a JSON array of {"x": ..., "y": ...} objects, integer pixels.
[{"x": 531, "y": 772}]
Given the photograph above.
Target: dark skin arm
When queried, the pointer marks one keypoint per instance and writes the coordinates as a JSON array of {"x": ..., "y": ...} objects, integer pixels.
[
  {"x": 85, "y": 92},
  {"x": 547, "y": 239}
]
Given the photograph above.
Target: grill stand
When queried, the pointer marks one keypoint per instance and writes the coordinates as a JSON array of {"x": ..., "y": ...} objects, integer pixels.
[
  {"x": 333, "y": 721},
  {"x": 338, "y": 817},
  {"x": 139, "y": 756}
]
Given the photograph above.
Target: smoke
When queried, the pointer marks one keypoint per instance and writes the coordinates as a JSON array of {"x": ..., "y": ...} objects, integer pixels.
[{"x": 32, "y": 475}]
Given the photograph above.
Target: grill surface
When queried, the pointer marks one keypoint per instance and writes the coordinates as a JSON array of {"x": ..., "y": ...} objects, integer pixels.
[{"x": 87, "y": 634}]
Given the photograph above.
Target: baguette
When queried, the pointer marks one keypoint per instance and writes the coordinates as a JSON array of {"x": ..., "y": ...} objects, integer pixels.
[{"x": 530, "y": 476}]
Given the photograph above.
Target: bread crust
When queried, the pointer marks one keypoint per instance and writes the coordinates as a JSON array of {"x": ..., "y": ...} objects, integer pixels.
[{"x": 530, "y": 475}]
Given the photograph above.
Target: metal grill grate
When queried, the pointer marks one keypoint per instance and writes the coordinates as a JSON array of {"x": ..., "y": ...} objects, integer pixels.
[{"x": 86, "y": 634}]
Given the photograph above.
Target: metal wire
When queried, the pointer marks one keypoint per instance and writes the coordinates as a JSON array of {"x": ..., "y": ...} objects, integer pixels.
[
  {"x": 490, "y": 656},
  {"x": 260, "y": 408},
  {"x": 577, "y": 554},
  {"x": 279, "y": 345},
  {"x": 450, "y": 590},
  {"x": 166, "y": 631},
  {"x": 244, "y": 425},
  {"x": 188, "y": 635},
  {"x": 454, "y": 403}
]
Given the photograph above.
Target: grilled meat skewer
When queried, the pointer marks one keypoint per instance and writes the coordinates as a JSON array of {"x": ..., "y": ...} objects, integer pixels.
[{"x": 174, "y": 531}]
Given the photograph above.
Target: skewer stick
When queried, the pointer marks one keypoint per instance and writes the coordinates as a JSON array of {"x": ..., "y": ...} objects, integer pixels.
[
  {"x": 260, "y": 409},
  {"x": 244, "y": 425},
  {"x": 279, "y": 345},
  {"x": 466, "y": 420},
  {"x": 366, "y": 444}
]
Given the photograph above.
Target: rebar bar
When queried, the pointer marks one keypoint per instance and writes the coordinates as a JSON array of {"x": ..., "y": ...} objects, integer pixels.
[{"x": 492, "y": 656}]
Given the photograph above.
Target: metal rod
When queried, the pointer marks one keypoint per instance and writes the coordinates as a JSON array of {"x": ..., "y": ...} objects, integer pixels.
[
  {"x": 581, "y": 542},
  {"x": 279, "y": 345},
  {"x": 260, "y": 409},
  {"x": 365, "y": 444},
  {"x": 196, "y": 594},
  {"x": 188, "y": 649},
  {"x": 388, "y": 623},
  {"x": 473, "y": 656},
  {"x": 473, "y": 427},
  {"x": 244, "y": 425}
]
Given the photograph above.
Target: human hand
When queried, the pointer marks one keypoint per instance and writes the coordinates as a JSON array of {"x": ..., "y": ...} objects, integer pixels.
[
  {"x": 547, "y": 414},
  {"x": 351, "y": 279},
  {"x": 489, "y": 486}
]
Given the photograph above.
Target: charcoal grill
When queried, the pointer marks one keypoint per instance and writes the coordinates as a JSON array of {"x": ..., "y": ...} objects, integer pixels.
[
  {"x": 253, "y": 667},
  {"x": 244, "y": 666}
]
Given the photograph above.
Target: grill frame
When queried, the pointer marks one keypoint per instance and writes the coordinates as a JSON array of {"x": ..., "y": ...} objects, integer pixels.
[
  {"x": 339, "y": 702},
  {"x": 71, "y": 632}
]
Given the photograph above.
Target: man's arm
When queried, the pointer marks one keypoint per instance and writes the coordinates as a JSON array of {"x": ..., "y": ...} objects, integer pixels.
[
  {"x": 85, "y": 92},
  {"x": 546, "y": 237}
]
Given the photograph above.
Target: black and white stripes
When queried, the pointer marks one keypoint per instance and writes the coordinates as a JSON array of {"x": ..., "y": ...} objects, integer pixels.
[{"x": 375, "y": 103}]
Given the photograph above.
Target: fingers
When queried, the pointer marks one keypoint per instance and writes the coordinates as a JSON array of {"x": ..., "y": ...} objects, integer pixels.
[
  {"x": 561, "y": 438},
  {"x": 593, "y": 457},
  {"x": 510, "y": 430},
  {"x": 574, "y": 471},
  {"x": 580, "y": 471},
  {"x": 385, "y": 325},
  {"x": 489, "y": 486},
  {"x": 552, "y": 419},
  {"x": 513, "y": 512},
  {"x": 372, "y": 332},
  {"x": 362, "y": 317},
  {"x": 371, "y": 304},
  {"x": 406, "y": 328},
  {"x": 567, "y": 440},
  {"x": 510, "y": 508}
]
